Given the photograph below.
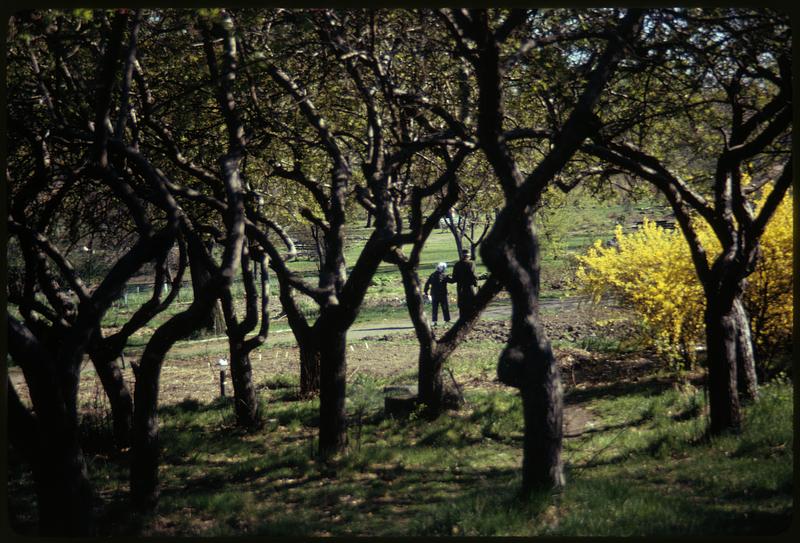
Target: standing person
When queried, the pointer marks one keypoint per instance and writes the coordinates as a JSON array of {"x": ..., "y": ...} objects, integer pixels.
[
  {"x": 437, "y": 284},
  {"x": 465, "y": 279}
]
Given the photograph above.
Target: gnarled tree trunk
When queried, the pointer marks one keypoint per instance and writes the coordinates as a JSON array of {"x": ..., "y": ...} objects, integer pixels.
[
  {"x": 145, "y": 450},
  {"x": 244, "y": 393},
  {"x": 430, "y": 386},
  {"x": 64, "y": 495},
  {"x": 213, "y": 322},
  {"x": 721, "y": 344},
  {"x": 333, "y": 366},
  {"x": 307, "y": 339},
  {"x": 527, "y": 362},
  {"x": 309, "y": 367},
  {"x": 511, "y": 250},
  {"x": 119, "y": 396},
  {"x": 239, "y": 348},
  {"x": 144, "y": 437}
]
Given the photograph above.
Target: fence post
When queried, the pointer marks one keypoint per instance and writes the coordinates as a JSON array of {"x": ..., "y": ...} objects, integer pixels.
[{"x": 222, "y": 364}]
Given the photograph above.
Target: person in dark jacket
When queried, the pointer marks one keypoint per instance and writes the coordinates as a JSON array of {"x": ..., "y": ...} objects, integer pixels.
[
  {"x": 465, "y": 279},
  {"x": 437, "y": 285}
]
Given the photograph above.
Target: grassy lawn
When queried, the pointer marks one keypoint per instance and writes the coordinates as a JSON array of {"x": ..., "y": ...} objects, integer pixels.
[
  {"x": 636, "y": 456},
  {"x": 638, "y": 465}
]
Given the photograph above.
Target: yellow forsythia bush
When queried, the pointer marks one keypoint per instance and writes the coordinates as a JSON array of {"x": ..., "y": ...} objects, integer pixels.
[
  {"x": 769, "y": 288},
  {"x": 651, "y": 270}
]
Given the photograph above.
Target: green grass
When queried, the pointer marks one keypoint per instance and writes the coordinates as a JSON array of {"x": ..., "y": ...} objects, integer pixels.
[
  {"x": 648, "y": 475},
  {"x": 642, "y": 467}
]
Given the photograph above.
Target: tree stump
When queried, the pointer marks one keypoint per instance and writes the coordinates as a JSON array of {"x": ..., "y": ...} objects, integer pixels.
[{"x": 399, "y": 401}]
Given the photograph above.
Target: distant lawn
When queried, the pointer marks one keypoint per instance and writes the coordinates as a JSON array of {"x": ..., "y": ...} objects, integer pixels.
[{"x": 579, "y": 223}]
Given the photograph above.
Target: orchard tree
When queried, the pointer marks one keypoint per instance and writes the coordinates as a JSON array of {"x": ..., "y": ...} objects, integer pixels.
[
  {"x": 357, "y": 129},
  {"x": 406, "y": 67},
  {"x": 178, "y": 144},
  {"x": 145, "y": 450},
  {"x": 433, "y": 89},
  {"x": 108, "y": 132},
  {"x": 727, "y": 75},
  {"x": 511, "y": 249},
  {"x": 65, "y": 135},
  {"x": 433, "y": 351},
  {"x": 475, "y": 209}
]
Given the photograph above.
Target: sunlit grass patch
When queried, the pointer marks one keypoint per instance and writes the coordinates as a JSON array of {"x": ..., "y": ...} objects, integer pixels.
[{"x": 640, "y": 471}]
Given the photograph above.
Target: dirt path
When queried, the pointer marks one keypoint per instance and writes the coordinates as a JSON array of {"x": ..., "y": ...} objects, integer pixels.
[{"x": 496, "y": 310}]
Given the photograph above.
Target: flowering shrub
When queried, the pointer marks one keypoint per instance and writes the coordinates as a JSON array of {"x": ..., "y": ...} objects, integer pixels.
[
  {"x": 769, "y": 289},
  {"x": 652, "y": 271}
]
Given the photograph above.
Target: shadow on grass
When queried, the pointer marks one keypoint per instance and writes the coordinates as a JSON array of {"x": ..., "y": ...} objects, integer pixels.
[
  {"x": 221, "y": 481},
  {"x": 490, "y": 508},
  {"x": 650, "y": 387},
  {"x": 349, "y": 505},
  {"x": 646, "y": 417},
  {"x": 298, "y": 496},
  {"x": 191, "y": 405}
]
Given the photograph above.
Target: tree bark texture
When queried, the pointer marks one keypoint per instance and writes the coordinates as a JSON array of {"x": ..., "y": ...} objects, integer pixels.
[
  {"x": 239, "y": 348},
  {"x": 528, "y": 362},
  {"x": 331, "y": 329},
  {"x": 244, "y": 393},
  {"x": 213, "y": 322},
  {"x": 104, "y": 351},
  {"x": 309, "y": 367},
  {"x": 433, "y": 353},
  {"x": 333, "y": 374},
  {"x": 430, "y": 386},
  {"x": 145, "y": 451},
  {"x": 119, "y": 396},
  {"x": 746, "y": 380},
  {"x": 511, "y": 250},
  {"x": 721, "y": 344},
  {"x": 63, "y": 507},
  {"x": 64, "y": 494},
  {"x": 307, "y": 341},
  {"x": 430, "y": 389}
]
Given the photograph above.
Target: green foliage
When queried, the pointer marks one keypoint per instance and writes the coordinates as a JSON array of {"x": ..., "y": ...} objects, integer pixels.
[{"x": 83, "y": 13}]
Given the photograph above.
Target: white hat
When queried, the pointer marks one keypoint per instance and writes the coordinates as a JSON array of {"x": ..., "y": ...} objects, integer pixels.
[{"x": 441, "y": 266}]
